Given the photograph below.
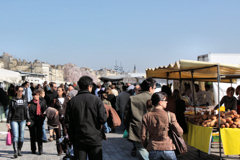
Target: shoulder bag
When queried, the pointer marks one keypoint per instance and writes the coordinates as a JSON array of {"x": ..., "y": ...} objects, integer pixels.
[{"x": 178, "y": 141}]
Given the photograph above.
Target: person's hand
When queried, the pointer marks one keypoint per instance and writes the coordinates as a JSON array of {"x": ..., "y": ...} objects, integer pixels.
[
  {"x": 8, "y": 126},
  {"x": 56, "y": 113},
  {"x": 28, "y": 123}
]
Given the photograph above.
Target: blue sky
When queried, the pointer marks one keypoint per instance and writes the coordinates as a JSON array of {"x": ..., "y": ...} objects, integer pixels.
[{"x": 97, "y": 33}]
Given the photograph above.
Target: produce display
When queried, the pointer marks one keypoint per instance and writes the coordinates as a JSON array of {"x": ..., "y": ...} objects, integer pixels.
[
  {"x": 208, "y": 119},
  {"x": 190, "y": 109}
]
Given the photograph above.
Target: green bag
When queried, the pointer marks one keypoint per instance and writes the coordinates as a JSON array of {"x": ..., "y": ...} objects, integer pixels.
[{"x": 125, "y": 134}]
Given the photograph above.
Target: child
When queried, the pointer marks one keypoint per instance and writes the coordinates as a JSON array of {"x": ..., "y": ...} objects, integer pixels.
[{"x": 53, "y": 123}]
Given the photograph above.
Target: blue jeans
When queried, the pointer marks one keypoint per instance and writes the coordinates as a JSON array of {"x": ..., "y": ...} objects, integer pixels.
[
  {"x": 107, "y": 129},
  {"x": 18, "y": 130},
  {"x": 44, "y": 138},
  {"x": 142, "y": 152},
  {"x": 166, "y": 155}
]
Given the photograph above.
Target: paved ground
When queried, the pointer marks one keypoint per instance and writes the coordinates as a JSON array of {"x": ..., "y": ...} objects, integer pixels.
[{"x": 114, "y": 148}]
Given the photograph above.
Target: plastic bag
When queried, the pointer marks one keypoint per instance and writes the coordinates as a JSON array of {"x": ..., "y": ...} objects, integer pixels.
[{"x": 9, "y": 138}]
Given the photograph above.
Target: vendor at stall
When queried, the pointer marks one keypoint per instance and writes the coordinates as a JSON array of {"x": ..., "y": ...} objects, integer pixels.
[
  {"x": 229, "y": 101},
  {"x": 238, "y": 98}
]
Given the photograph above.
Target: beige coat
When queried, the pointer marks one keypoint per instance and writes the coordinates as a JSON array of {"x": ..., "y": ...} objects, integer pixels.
[
  {"x": 156, "y": 125},
  {"x": 137, "y": 108}
]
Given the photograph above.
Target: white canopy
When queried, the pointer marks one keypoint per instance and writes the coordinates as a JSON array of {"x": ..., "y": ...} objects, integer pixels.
[
  {"x": 200, "y": 71},
  {"x": 9, "y": 76}
]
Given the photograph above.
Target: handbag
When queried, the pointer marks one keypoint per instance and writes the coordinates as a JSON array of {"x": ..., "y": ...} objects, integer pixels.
[
  {"x": 115, "y": 118},
  {"x": 178, "y": 141},
  {"x": 9, "y": 138}
]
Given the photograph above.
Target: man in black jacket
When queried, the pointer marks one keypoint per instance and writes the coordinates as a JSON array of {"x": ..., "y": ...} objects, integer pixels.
[
  {"x": 85, "y": 115},
  {"x": 51, "y": 94}
]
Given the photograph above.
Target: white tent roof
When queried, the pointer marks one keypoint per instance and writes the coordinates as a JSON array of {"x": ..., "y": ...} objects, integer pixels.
[
  {"x": 9, "y": 76},
  {"x": 202, "y": 71}
]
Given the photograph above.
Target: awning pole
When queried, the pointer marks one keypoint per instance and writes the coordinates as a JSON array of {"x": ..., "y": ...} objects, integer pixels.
[
  {"x": 193, "y": 93},
  {"x": 219, "y": 122},
  {"x": 180, "y": 81},
  {"x": 167, "y": 77}
]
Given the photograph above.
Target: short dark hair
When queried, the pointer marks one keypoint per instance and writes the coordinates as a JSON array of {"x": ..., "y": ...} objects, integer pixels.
[
  {"x": 147, "y": 83},
  {"x": 70, "y": 85},
  {"x": 167, "y": 90},
  {"x": 35, "y": 92},
  {"x": 51, "y": 84},
  {"x": 207, "y": 87},
  {"x": 158, "y": 96},
  {"x": 237, "y": 90},
  {"x": 84, "y": 82},
  {"x": 17, "y": 87},
  {"x": 230, "y": 89},
  {"x": 124, "y": 87},
  {"x": 24, "y": 84}
]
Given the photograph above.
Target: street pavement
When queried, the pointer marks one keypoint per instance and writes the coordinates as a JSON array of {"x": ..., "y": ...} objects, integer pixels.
[{"x": 114, "y": 148}]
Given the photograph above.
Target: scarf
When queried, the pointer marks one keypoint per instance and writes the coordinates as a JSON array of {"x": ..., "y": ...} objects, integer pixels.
[{"x": 38, "y": 107}]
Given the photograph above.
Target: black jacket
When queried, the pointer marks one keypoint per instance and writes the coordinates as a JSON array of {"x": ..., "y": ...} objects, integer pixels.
[
  {"x": 180, "y": 109},
  {"x": 3, "y": 98},
  {"x": 33, "y": 111},
  {"x": 43, "y": 101},
  {"x": 84, "y": 116},
  {"x": 18, "y": 110},
  {"x": 229, "y": 103},
  {"x": 50, "y": 96}
]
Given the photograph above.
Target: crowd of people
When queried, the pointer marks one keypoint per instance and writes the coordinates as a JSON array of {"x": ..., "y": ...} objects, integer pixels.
[
  {"x": 80, "y": 114},
  {"x": 33, "y": 106}
]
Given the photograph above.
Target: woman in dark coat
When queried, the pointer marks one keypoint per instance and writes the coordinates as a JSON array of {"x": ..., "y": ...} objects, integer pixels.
[
  {"x": 180, "y": 109},
  {"x": 18, "y": 116},
  {"x": 61, "y": 104},
  {"x": 36, "y": 110},
  {"x": 111, "y": 98}
]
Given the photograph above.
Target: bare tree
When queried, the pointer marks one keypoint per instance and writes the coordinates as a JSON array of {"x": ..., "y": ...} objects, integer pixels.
[{"x": 72, "y": 73}]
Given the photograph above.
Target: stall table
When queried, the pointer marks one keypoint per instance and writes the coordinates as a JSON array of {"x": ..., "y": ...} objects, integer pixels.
[{"x": 201, "y": 137}]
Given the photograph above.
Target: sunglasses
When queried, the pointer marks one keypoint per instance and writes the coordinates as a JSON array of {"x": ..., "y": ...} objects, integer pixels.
[
  {"x": 20, "y": 90},
  {"x": 164, "y": 100}
]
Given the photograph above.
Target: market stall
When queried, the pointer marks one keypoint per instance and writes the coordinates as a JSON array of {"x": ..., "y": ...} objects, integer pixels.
[
  {"x": 9, "y": 76},
  {"x": 201, "y": 138},
  {"x": 203, "y": 71},
  {"x": 113, "y": 79},
  {"x": 203, "y": 131}
]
